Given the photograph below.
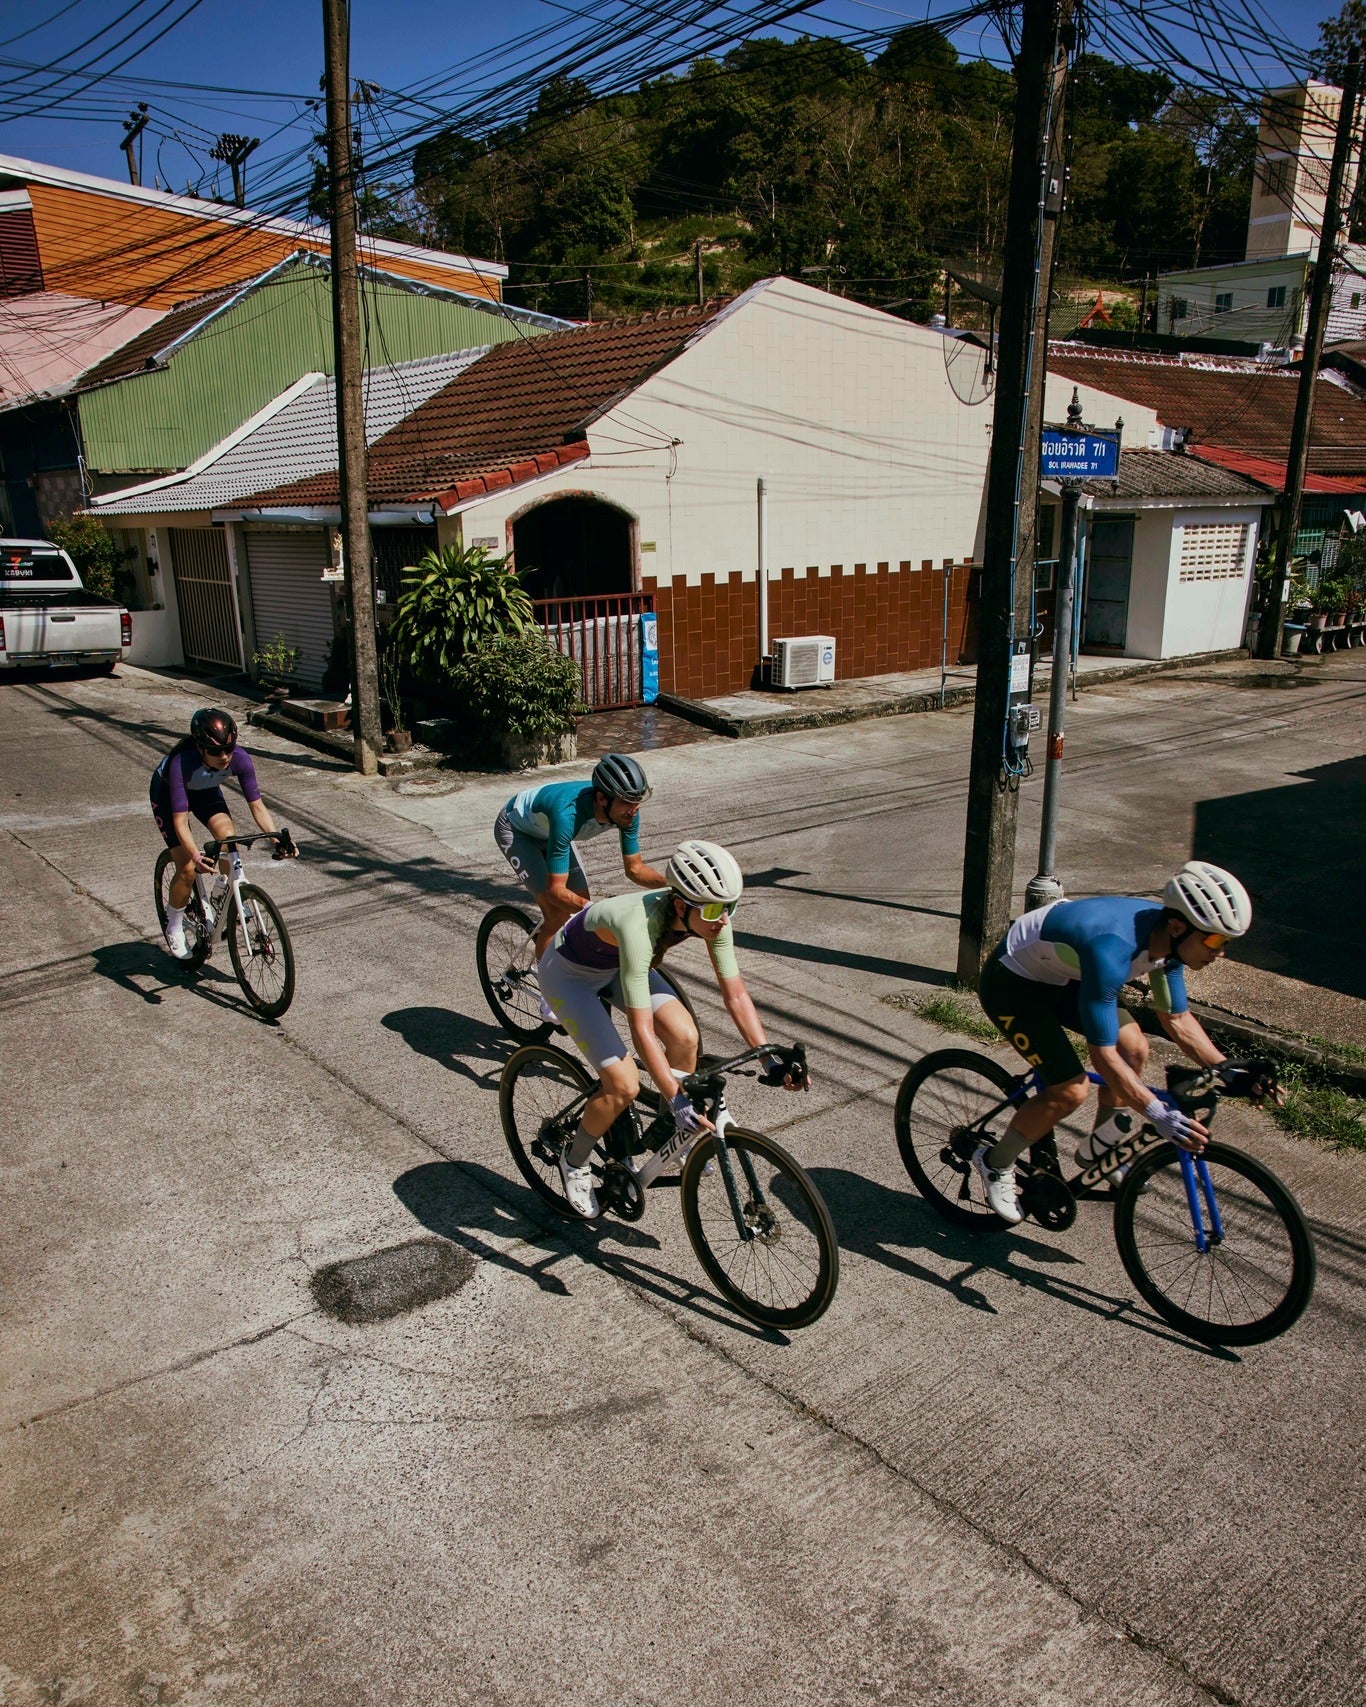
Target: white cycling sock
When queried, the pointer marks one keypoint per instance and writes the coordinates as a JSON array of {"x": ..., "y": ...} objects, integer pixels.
[
  {"x": 581, "y": 1147},
  {"x": 174, "y": 916}
]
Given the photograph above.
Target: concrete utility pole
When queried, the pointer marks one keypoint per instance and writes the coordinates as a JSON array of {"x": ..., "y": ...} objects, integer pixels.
[
  {"x": 1003, "y": 665},
  {"x": 133, "y": 127},
  {"x": 701, "y": 284},
  {"x": 235, "y": 151},
  {"x": 1320, "y": 301},
  {"x": 355, "y": 508}
]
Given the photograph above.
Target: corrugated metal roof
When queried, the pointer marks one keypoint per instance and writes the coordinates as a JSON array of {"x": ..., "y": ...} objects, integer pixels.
[
  {"x": 1168, "y": 474},
  {"x": 141, "y": 352},
  {"x": 293, "y": 441},
  {"x": 48, "y": 339},
  {"x": 1270, "y": 473},
  {"x": 525, "y": 408}
]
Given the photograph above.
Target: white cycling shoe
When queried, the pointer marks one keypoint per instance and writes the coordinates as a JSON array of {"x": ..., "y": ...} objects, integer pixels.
[
  {"x": 999, "y": 1184},
  {"x": 578, "y": 1189},
  {"x": 176, "y": 945}
]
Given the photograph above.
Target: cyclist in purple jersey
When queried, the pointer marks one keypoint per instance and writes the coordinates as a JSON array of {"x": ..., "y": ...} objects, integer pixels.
[
  {"x": 187, "y": 782},
  {"x": 1061, "y": 968}
]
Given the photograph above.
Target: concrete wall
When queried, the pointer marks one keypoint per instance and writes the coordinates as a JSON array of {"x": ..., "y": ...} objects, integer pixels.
[{"x": 165, "y": 635}]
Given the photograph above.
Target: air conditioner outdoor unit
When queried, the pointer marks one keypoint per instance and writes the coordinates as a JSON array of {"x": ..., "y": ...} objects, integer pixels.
[{"x": 806, "y": 662}]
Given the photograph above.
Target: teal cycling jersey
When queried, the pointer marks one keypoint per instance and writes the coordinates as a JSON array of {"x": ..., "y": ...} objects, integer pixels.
[
  {"x": 1100, "y": 944},
  {"x": 561, "y": 813}
]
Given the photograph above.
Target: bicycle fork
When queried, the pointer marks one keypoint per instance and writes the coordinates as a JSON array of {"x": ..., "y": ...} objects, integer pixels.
[
  {"x": 725, "y": 1160},
  {"x": 1196, "y": 1179}
]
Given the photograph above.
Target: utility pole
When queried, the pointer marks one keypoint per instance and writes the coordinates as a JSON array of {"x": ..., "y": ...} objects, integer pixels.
[
  {"x": 1004, "y": 657},
  {"x": 701, "y": 285},
  {"x": 1320, "y": 301},
  {"x": 234, "y": 151},
  {"x": 355, "y": 508},
  {"x": 133, "y": 127},
  {"x": 588, "y": 297}
]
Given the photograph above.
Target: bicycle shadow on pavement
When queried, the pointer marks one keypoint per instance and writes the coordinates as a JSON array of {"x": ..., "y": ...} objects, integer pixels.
[
  {"x": 888, "y": 1225},
  {"x": 438, "y": 1195},
  {"x": 450, "y": 1038},
  {"x": 127, "y": 964}
]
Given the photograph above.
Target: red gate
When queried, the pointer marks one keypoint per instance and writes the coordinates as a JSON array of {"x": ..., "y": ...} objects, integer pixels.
[{"x": 602, "y": 635}]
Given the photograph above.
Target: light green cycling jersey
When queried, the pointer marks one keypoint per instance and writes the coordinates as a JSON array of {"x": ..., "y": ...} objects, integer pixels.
[{"x": 636, "y": 920}]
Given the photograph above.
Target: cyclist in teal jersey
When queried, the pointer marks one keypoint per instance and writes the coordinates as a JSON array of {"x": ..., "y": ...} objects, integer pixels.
[
  {"x": 613, "y": 948},
  {"x": 537, "y": 830},
  {"x": 1062, "y": 967}
]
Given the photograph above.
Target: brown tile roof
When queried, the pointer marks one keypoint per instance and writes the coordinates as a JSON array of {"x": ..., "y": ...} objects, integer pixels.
[
  {"x": 522, "y": 409},
  {"x": 1167, "y": 474},
  {"x": 138, "y": 353},
  {"x": 1244, "y": 405}
]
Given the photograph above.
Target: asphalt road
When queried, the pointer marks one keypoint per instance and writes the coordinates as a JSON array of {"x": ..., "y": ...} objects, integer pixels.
[{"x": 987, "y": 1475}]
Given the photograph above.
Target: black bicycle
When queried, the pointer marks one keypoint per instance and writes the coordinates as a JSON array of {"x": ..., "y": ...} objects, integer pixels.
[
  {"x": 505, "y": 953},
  {"x": 758, "y": 1224},
  {"x": 1213, "y": 1241},
  {"x": 258, "y": 942}
]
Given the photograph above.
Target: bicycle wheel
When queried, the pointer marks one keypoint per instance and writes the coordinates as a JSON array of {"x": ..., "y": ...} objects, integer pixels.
[
  {"x": 785, "y": 1275},
  {"x": 943, "y": 1112},
  {"x": 198, "y": 937},
  {"x": 1257, "y": 1273},
  {"x": 540, "y": 1097},
  {"x": 262, "y": 954},
  {"x": 506, "y": 956}
]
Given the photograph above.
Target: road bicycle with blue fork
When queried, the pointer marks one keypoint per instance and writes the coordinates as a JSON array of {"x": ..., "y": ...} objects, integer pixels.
[{"x": 1213, "y": 1241}]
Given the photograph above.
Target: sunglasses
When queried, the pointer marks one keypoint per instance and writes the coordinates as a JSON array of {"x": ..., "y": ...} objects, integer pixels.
[
  {"x": 1214, "y": 940},
  {"x": 711, "y": 911},
  {"x": 214, "y": 749}
]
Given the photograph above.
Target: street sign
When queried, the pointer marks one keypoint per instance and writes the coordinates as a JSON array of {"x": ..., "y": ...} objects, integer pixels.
[{"x": 1078, "y": 456}]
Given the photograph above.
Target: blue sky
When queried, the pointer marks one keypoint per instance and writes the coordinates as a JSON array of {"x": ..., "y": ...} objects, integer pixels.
[{"x": 276, "y": 45}]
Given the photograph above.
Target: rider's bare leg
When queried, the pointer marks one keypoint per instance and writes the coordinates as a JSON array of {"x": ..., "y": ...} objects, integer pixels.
[
  {"x": 618, "y": 1088},
  {"x": 1036, "y": 1118},
  {"x": 675, "y": 1029},
  {"x": 556, "y": 912}
]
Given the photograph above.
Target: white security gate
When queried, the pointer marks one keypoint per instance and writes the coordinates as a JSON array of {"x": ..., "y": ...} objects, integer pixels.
[
  {"x": 203, "y": 588},
  {"x": 290, "y": 598}
]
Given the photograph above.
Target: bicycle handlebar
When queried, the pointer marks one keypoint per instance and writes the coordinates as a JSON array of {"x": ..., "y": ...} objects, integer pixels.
[
  {"x": 704, "y": 1087},
  {"x": 282, "y": 839}
]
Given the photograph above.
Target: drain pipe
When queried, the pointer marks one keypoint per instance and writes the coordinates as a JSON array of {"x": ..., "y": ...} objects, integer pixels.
[{"x": 761, "y": 577}]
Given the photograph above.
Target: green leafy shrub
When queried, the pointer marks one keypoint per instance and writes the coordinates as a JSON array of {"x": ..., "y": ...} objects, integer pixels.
[
  {"x": 517, "y": 685},
  {"x": 102, "y": 564},
  {"x": 452, "y": 601},
  {"x": 277, "y": 658}
]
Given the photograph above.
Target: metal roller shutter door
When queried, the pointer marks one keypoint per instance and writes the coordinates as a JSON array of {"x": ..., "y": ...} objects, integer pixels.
[{"x": 288, "y": 596}]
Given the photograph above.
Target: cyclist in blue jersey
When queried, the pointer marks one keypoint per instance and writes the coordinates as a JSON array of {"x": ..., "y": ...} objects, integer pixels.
[
  {"x": 537, "y": 829},
  {"x": 190, "y": 780},
  {"x": 1061, "y": 968}
]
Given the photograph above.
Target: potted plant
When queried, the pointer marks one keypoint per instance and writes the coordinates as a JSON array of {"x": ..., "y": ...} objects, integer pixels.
[
  {"x": 520, "y": 698},
  {"x": 399, "y": 739},
  {"x": 275, "y": 665}
]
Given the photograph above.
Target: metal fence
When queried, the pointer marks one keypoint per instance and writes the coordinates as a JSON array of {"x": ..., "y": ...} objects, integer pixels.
[{"x": 602, "y": 636}]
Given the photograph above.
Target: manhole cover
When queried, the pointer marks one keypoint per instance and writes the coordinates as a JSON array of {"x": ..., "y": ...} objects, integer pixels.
[
  {"x": 431, "y": 786},
  {"x": 388, "y": 1283}
]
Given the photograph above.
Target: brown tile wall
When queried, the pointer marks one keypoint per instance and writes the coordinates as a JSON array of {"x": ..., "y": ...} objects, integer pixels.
[{"x": 882, "y": 621}]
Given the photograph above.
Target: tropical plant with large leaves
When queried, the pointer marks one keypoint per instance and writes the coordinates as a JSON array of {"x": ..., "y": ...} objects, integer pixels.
[{"x": 449, "y": 602}]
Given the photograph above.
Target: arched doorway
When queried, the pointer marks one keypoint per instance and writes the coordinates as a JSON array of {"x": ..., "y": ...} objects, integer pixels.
[{"x": 574, "y": 548}]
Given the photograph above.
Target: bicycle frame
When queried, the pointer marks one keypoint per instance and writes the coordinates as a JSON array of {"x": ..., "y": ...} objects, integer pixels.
[{"x": 236, "y": 874}]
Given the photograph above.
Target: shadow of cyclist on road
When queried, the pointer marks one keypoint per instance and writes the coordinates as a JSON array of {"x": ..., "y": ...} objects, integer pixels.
[{"x": 452, "y": 1039}]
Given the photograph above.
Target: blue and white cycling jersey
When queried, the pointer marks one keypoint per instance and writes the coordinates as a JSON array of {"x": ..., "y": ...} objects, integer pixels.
[
  {"x": 560, "y": 813},
  {"x": 1100, "y": 943}
]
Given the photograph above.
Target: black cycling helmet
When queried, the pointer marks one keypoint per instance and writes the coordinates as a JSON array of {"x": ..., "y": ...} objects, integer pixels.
[
  {"x": 213, "y": 731},
  {"x": 620, "y": 778}
]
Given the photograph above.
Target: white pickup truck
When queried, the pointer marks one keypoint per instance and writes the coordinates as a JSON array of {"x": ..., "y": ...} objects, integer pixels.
[{"x": 47, "y": 617}]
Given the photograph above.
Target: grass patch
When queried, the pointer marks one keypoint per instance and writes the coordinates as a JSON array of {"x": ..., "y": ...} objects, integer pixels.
[
  {"x": 949, "y": 1013},
  {"x": 1317, "y": 1110},
  {"x": 1352, "y": 1053}
]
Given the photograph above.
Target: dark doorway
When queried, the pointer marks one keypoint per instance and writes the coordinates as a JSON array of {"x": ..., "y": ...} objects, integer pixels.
[
  {"x": 573, "y": 548},
  {"x": 1107, "y": 580}
]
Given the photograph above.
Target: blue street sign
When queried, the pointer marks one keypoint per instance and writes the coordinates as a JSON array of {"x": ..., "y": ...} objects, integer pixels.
[{"x": 1078, "y": 456}]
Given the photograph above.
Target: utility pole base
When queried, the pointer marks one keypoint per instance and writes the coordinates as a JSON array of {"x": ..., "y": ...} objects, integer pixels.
[{"x": 1042, "y": 890}]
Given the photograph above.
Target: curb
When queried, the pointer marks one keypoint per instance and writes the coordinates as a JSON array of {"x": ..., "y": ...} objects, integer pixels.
[
  {"x": 900, "y": 705},
  {"x": 1262, "y": 1039}
]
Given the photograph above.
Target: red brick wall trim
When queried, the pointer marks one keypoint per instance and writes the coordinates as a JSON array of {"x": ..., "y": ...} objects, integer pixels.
[{"x": 882, "y": 622}]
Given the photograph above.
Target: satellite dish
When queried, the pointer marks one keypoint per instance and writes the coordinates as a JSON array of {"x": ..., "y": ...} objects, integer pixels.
[{"x": 971, "y": 366}]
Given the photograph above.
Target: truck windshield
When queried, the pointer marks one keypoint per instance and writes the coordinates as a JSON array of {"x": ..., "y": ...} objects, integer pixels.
[{"x": 26, "y": 564}]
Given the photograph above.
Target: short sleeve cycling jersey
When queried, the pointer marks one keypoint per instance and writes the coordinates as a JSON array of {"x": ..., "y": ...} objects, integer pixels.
[
  {"x": 183, "y": 772},
  {"x": 1100, "y": 943},
  {"x": 561, "y": 813},
  {"x": 636, "y": 921}
]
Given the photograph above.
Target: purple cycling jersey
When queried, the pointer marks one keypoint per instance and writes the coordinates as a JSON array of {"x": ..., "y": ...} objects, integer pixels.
[{"x": 183, "y": 772}]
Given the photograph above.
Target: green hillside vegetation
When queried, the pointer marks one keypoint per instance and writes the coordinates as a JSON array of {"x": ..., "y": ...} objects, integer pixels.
[{"x": 808, "y": 158}]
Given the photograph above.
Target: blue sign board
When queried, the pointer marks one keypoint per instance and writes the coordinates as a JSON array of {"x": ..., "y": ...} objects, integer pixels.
[
  {"x": 1078, "y": 456},
  {"x": 649, "y": 657}
]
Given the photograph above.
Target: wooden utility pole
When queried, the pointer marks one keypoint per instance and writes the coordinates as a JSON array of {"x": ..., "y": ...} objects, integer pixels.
[
  {"x": 355, "y": 508},
  {"x": 1320, "y": 302},
  {"x": 1006, "y": 646}
]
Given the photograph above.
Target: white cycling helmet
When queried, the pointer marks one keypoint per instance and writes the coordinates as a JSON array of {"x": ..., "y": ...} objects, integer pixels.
[
  {"x": 702, "y": 872},
  {"x": 1211, "y": 898}
]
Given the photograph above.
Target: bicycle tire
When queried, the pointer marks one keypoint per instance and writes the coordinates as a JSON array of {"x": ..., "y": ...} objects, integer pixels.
[
  {"x": 272, "y": 951},
  {"x": 1224, "y": 1296},
  {"x": 534, "y": 1123},
  {"x": 517, "y": 1007},
  {"x": 806, "y": 1273},
  {"x": 946, "y": 1092},
  {"x": 197, "y": 934}
]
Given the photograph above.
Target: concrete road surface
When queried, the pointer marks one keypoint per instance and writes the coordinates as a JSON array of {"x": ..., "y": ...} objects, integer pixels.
[{"x": 987, "y": 1475}]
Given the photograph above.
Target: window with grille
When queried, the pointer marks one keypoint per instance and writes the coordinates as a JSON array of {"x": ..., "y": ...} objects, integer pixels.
[
  {"x": 1276, "y": 177},
  {"x": 1275, "y": 296},
  {"x": 1214, "y": 551},
  {"x": 1177, "y": 307},
  {"x": 1223, "y": 302}
]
